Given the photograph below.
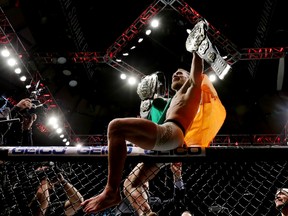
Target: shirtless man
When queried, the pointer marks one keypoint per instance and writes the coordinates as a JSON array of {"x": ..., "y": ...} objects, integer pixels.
[
  {"x": 42, "y": 204},
  {"x": 148, "y": 135}
]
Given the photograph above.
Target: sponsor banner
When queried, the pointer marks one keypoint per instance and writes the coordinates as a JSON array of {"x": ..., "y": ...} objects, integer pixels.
[{"x": 55, "y": 151}]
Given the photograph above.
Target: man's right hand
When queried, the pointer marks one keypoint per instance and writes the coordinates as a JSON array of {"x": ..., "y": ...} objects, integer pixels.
[{"x": 24, "y": 104}]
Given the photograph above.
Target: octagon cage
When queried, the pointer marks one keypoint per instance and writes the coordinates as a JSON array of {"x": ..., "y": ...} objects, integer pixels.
[{"x": 218, "y": 180}]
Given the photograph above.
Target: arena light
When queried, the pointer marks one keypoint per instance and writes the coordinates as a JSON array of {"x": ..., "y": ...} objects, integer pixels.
[
  {"x": 132, "y": 81},
  {"x": 123, "y": 76},
  {"x": 212, "y": 77},
  {"x": 5, "y": 53},
  {"x": 155, "y": 23},
  {"x": 11, "y": 62},
  {"x": 148, "y": 32},
  {"x": 23, "y": 78},
  {"x": 67, "y": 72},
  {"x": 52, "y": 121},
  {"x": 73, "y": 83},
  {"x": 59, "y": 130},
  {"x": 55, "y": 126},
  {"x": 17, "y": 70},
  {"x": 61, "y": 60}
]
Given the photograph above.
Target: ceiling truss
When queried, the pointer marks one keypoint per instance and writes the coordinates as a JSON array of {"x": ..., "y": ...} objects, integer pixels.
[
  {"x": 180, "y": 6},
  {"x": 8, "y": 36}
]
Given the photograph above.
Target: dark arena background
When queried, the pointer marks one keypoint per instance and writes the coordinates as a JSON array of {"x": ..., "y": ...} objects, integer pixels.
[{"x": 72, "y": 54}]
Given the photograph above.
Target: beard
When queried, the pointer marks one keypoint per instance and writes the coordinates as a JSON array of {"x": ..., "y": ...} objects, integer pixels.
[{"x": 176, "y": 86}]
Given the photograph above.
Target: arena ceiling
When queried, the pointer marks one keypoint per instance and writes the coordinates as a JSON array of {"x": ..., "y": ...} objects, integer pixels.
[{"x": 92, "y": 34}]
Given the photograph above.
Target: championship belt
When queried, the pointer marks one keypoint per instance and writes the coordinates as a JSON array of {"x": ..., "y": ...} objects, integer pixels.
[
  {"x": 145, "y": 107},
  {"x": 151, "y": 87},
  {"x": 198, "y": 41},
  {"x": 147, "y": 87}
]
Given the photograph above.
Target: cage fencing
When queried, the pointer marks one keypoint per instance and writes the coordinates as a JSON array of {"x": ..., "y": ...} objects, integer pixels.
[{"x": 218, "y": 180}]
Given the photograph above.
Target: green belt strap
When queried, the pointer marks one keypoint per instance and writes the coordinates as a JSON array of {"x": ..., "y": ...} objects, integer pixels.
[{"x": 158, "y": 110}]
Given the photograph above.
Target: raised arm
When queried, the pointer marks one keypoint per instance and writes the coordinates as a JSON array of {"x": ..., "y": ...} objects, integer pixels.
[
  {"x": 197, "y": 67},
  {"x": 43, "y": 197},
  {"x": 73, "y": 203}
]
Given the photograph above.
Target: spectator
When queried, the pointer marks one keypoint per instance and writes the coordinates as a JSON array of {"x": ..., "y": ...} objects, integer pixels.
[
  {"x": 42, "y": 204},
  {"x": 126, "y": 209},
  {"x": 281, "y": 201},
  {"x": 177, "y": 203}
]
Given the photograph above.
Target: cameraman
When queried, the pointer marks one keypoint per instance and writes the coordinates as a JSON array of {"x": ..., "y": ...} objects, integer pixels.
[{"x": 15, "y": 133}]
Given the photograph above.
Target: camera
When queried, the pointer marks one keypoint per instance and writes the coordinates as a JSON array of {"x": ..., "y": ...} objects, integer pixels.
[{"x": 35, "y": 103}]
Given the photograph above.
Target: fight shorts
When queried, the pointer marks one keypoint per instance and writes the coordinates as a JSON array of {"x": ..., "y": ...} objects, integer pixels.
[{"x": 168, "y": 136}]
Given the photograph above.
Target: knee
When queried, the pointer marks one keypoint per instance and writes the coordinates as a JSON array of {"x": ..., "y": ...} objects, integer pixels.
[{"x": 114, "y": 125}]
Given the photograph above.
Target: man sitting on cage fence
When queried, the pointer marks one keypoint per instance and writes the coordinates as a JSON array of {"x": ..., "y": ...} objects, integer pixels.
[
  {"x": 182, "y": 112},
  {"x": 205, "y": 126},
  {"x": 153, "y": 107}
]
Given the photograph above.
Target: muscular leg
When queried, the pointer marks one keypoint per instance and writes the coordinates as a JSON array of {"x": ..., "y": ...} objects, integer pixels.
[
  {"x": 139, "y": 131},
  {"x": 136, "y": 186}
]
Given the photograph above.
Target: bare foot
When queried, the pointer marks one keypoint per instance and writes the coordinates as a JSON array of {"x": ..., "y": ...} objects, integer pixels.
[{"x": 102, "y": 201}]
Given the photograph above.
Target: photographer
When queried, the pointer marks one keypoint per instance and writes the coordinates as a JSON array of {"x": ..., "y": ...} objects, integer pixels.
[{"x": 13, "y": 132}]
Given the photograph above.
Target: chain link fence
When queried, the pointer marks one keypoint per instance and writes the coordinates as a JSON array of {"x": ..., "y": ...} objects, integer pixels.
[{"x": 221, "y": 181}]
